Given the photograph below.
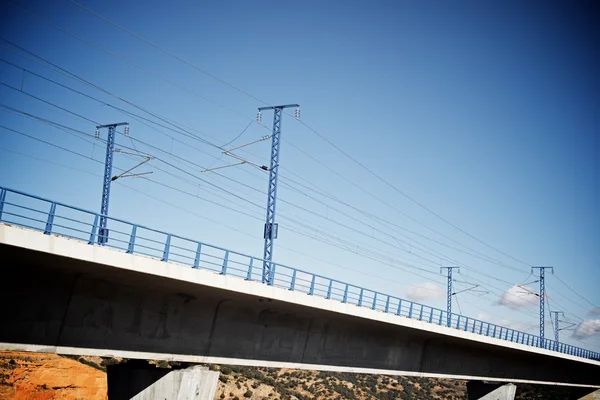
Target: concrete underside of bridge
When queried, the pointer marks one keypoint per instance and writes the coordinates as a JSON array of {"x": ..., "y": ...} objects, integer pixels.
[{"x": 58, "y": 304}]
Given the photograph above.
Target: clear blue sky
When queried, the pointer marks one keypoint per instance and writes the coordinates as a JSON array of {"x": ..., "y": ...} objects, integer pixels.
[{"x": 485, "y": 113}]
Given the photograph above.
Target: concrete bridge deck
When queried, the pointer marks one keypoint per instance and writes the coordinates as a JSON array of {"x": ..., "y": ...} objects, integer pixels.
[{"x": 65, "y": 296}]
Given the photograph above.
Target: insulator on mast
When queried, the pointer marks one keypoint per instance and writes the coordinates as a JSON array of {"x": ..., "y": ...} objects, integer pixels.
[
  {"x": 127, "y": 130},
  {"x": 297, "y": 112},
  {"x": 97, "y": 134},
  {"x": 258, "y": 117}
]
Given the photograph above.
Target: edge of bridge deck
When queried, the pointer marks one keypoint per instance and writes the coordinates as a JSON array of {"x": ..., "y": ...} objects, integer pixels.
[
  {"x": 71, "y": 248},
  {"x": 257, "y": 363}
]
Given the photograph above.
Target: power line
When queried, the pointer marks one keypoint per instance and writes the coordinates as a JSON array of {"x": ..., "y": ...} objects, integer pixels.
[
  {"x": 380, "y": 200},
  {"x": 180, "y": 130},
  {"x": 100, "y": 162},
  {"x": 74, "y": 132},
  {"x": 168, "y": 52},
  {"x": 576, "y": 293},
  {"x": 370, "y": 171},
  {"x": 413, "y": 200},
  {"x": 49, "y": 144},
  {"x": 302, "y": 122},
  {"x": 49, "y": 161},
  {"x": 180, "y": 169},
  {"x": 136, "y": 116},
  {"x": 192, "y": 175},
  {"x": 47, "y": 102},
  {"x": 380, "y": 220},
  {"x": 90, "y": 43},
  {"x": 211, "y": 183},
  {"x": 83, "y": 94}
]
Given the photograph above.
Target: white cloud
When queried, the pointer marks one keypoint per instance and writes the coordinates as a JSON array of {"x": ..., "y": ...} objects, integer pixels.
[
  {"x": 518, "y": 297},
  {"x": 587, "y": 328},
  {"x": 595, "y": 311},
  {"x": 425, "y": 291}
]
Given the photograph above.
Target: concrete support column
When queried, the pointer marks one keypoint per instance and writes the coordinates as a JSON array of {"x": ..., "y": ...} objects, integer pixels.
[
  {"x": 138, "y": 380},
  {"x": 479, "y": 390}
]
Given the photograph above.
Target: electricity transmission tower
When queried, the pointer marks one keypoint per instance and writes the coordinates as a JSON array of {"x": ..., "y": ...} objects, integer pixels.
[
  {"x": 108, "y": 178},
  {"x": 270, "y": 230},
  {"x": 449, "y": 294},
  {"x": 542, "y": 296},
  {"x": 556, "y": 327}
]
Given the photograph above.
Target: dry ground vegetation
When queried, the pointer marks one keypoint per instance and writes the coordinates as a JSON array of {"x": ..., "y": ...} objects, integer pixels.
[
  {"x": 38, "y": 376},
  {"x": 241, "y": 383}
]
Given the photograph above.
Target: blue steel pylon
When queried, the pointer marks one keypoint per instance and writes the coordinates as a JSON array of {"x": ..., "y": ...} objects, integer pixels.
[
  {"x": 449, "y": 294},
  {"x": 542, "y": 298},
  {"x": 270, "y": 231},
  {"x": 110, "y": 148},
  {"x": 556, "y": 327}
]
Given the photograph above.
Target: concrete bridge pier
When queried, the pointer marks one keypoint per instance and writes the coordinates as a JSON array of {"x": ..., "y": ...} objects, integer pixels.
[
  {"x": 139, "y": 380},
  {"x": 480, "y": 390}
]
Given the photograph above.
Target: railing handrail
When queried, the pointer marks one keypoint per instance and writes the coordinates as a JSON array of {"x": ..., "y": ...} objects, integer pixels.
[{"x": 366, "y": 297}]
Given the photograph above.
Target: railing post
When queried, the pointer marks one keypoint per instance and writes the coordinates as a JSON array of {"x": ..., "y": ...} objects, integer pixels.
[
  {"x": 198, "y": 254},
  {"x": 410, "y": 310},
  {"x": 2, "y": 199},
  {"x": 487, "y": 331},
  {"x": 430, "y": 314},
  {"x": 399, "y": 312},
  {"x": 421, "y": 313},
  {"x": 512, "y": 335},
  {"x": 457, "y": 321},
  {"x": 132, "y": 240},
  {"x": 48, "y": 229},
  {"x": 387, "y": 304},
  {"x": 500, "y": 334},
  {"x": 466, "y": 324},
  {"x": 167, "y": 246},
  {"x": 474, "y": 323},
  {"x": 293, "y": 282},
  {"x": 494, "y": 333},
  {"x": 93, "y": 233},
  {"x": 374, "y": 305},
  {"x": 480, "y": 327},
  {"x": 225, "y": 259},
  {"x": 249, "y": 274},
  {"x": 345, "y": 298},
  {"x": 441, "y": 315},
  {"x": 360, "y": 297},
  {"x": 329, "y": 289},
  {"x": 311, "y": 291}
]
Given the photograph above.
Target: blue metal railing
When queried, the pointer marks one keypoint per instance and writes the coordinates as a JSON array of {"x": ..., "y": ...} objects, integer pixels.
[{"x": 51, "y": 217}]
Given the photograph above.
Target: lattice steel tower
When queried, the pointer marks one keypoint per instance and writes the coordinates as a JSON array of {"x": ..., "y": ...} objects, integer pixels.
[
  {"x": 542, "y": 299},
  {"x": 270, "y": 231},
  {"x": 108, "y": 164},
  {"x": 449, "y": 294}
]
